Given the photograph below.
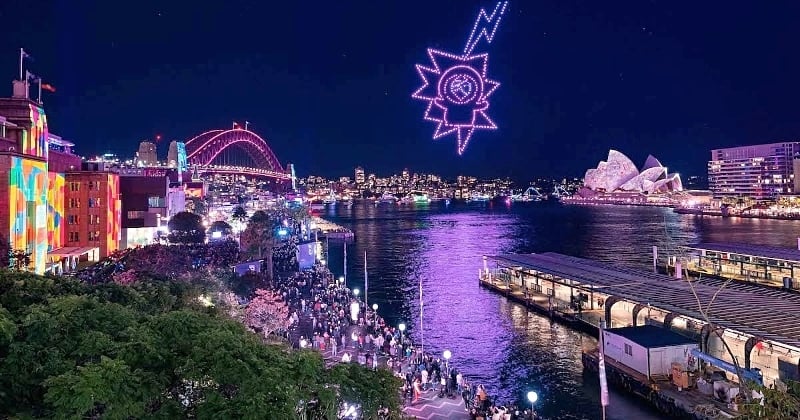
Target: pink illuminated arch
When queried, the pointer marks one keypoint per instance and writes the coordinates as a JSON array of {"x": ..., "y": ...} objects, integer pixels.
[{"x": 204, "y": 148}]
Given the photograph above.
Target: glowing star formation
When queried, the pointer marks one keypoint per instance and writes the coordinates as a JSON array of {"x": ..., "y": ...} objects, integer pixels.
[{"x": 457, "y": 88}]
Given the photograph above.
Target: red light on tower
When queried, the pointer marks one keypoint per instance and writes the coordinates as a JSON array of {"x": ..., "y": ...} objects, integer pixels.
[{"x": 158, "y": 138}]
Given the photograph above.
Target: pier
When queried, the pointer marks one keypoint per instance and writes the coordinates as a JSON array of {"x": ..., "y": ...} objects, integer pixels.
[
  {"x": 761, "y": 325},
  {"x": 332, "y": 231}
]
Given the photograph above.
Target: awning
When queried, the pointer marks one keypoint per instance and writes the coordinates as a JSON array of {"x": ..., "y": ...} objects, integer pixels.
[{"x": 72, "y": 251}]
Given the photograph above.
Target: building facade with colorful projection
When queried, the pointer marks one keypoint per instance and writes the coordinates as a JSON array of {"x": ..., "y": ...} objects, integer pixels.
[{"x": 32, "y": 177}]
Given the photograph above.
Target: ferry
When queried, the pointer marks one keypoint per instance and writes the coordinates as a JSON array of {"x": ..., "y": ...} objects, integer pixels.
[
  {"x": 416, "y": 197},
  {"x": 477, "y": 197},
  {"x": 330, "y": 200}
]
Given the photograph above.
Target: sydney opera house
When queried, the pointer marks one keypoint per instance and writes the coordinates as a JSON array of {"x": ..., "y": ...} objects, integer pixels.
[{"x": 618, "y": 174}]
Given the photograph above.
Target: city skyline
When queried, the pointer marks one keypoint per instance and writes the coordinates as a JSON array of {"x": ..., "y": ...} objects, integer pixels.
[{"x": 579, "y": 79}]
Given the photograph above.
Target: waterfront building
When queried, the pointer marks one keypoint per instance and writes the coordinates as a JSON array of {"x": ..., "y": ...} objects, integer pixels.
[
  {"x": 359, "y": 176},
  {"x": 147, "y": 155},
  {"x": 765, "y": 265},
  {"x": 619, "y": 174},
  {"x": 759, "y": 172},
  {"x": 760, "y": 326},
  {"x": 172, "y": 154},
  {"x": 32, "y": 165},
  {"x": 92, "y": 210}
]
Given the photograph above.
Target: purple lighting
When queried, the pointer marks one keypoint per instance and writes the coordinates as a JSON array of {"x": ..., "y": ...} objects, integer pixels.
[{"x": 457, "y": 88}]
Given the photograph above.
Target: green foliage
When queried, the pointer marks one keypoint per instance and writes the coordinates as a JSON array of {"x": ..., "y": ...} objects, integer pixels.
[
  {"x": 148, "y": 350},
  {"x": 186, "y": 228},
  {"x": 778, "y": 404}
]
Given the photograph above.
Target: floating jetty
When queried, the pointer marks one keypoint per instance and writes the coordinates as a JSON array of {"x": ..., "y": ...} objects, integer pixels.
[
  {"x": 758, "y": 324},
  {"x": 332, "y": 231}
]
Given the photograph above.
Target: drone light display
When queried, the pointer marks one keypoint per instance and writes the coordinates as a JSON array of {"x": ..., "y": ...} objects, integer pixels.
[{"x": 457, "y": 87}]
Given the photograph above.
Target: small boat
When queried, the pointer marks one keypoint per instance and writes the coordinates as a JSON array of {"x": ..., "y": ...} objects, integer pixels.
[
  {"x": 387, "y": 198},
  {"x": 416, "y": 197}
]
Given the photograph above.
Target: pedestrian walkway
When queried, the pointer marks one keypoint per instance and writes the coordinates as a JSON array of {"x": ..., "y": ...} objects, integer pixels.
[{"x": 431, "y": 406}]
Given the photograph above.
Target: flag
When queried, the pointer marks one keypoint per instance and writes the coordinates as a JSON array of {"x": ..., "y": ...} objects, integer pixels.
[
  {"x": 601, "y": 367},
  {"x": 236, "y": 125},
  {"x": 48, "y": 87},
  {"x": 25, "y": 55},
  {"x": 32, "y": 77}
]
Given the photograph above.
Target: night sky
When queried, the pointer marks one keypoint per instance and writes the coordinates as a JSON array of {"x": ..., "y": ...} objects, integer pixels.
[{"x": 328, "y": 83}]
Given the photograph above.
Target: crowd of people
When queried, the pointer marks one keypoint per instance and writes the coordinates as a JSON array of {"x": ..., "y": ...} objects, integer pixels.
[{"x": 327, "y": 316}]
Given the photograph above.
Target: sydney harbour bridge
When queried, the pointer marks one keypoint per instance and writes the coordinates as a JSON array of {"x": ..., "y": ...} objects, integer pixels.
[{"x": 234, "y": 151}]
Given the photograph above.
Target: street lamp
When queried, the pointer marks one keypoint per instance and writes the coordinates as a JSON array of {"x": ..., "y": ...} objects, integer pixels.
[
  {"x": 532, "y": 397},
  {"x": 402, "y": 328},
  {"x": 341, "y": 280},
  {"x": 375, "y": 315},
  {"x": 355, "y": 292},
  {"x": 446, "y": 354}
]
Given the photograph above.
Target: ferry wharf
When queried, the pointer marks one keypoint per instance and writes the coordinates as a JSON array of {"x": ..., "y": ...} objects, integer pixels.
[
  {"x": 332, "y": 231},
  {"x": 761, "y": 325}
]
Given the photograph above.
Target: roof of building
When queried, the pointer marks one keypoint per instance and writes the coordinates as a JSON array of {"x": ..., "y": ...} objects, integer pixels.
[
  {"x": 769, "y": 314},
  {"x": 772, "y": 252},
  {"x": 650, "y": 336}
]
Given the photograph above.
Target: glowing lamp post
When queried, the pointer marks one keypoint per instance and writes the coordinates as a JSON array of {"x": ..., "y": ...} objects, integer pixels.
[
  {"x": 375, "y": 314},
  {"x": 532, "y": 397},
  {"x": 402, "y": 328},
  {"x": 356, "y": 292},
  {"x": 447, "y": 355},
  {"x": 341, "y": 280}
]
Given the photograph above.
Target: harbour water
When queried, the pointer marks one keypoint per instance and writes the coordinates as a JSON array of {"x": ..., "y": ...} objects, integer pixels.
[{"x": 496, "y": 342}]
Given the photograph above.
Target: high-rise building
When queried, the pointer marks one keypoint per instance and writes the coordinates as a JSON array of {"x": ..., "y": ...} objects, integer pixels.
[
  {"x": 172, "y": 154},
  {"x": 359, "y": 176},
  {"x": 93, "y": 210},
  {"x": 147, "y": 155},
  {"x": 759, "y": 172}
]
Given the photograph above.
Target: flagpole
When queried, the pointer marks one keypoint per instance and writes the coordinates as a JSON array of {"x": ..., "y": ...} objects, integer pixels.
[
  {"x": 345, "y": 264},
  {"x": 601, "y": 368},
  {"x": 421, "y": 329},
  {"x": 21, "y": 57},
  {"x": 366, "y": 280},
  {"x": 39, "y": 79}
]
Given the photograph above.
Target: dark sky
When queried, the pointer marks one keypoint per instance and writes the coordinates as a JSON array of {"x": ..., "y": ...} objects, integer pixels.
[{"x": 328, "y": 83}]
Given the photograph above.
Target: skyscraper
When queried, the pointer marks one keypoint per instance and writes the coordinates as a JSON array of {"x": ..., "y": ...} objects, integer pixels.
[
  {"x": 147, "y": 155},
  {"x": 359, "y": 176}
]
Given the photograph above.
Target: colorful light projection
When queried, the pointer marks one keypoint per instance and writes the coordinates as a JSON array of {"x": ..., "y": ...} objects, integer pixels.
[
  {"x": 55, "y": 210},
  {"x": 27, "y": 196},
  {"x": 457, "y": 87},
  {"x": 34, "y": 143},
  {"x": 113, "y": 215}
]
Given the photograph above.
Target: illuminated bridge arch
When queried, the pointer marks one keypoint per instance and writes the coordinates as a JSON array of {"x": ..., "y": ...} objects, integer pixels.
[{"x": 204, "y": 148}]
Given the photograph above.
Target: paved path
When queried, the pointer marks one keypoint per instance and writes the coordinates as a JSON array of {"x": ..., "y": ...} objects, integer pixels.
[{"x": 430, "y": 406}]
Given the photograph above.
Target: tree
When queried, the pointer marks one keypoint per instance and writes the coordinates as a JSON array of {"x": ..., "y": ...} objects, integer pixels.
[
  {"x": 186, "y": 227},
  {"x": 225, "y": 230},
  {"x": 258, "y": 239},
  {"x": 197, "y": 205},
  {"x": 15, "y": 259},
  {"x": 239, "y": 214},
  {"x": 267, "y": 313}
]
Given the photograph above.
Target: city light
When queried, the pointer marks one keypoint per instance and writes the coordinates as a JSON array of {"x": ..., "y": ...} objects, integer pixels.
[
  {"x": 374, "y": 306},
  {"x": 355, "y": 292},
  {"x": 457, "y": 88},
  {"x": 533, "y": 396},
  {"x": 401, "y": 327}
]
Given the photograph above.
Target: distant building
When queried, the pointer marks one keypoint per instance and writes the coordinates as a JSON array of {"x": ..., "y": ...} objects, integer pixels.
[
  {"x": 359, "y": 176},
  {"x": 147, "y": 155},
  {"x": 759, "y": 172},
  {"x": 147, "y": 204},
  {"x": 172, "y": 154},
  {"x": 619, "y": 174},
  {"x": 93, "y": 210}
]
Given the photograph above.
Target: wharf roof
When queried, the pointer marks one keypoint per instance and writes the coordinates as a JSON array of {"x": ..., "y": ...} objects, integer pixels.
[
  {"x": 768, "y": 314},
  {"x": 771, "y": 252},
  {"x": 651, "y": 337}
]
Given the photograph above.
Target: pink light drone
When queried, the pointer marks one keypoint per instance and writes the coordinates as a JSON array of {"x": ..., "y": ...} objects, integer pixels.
[{"x": 457, "y": 88}]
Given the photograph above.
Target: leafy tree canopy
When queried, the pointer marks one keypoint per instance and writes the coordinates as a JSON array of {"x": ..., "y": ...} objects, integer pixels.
[
  {"x": 186, "y": 227},
  {"x": 76, "y": 350}
]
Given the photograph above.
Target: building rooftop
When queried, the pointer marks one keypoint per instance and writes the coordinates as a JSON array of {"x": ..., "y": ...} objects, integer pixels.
[
  {"x": 650, "y": 336},
  {"x": 769, "y": 314},
  {"x": 771, "y": 252}
]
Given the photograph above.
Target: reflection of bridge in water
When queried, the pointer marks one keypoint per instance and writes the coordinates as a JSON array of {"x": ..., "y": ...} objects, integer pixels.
[{"x": 234, "y": 152}]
